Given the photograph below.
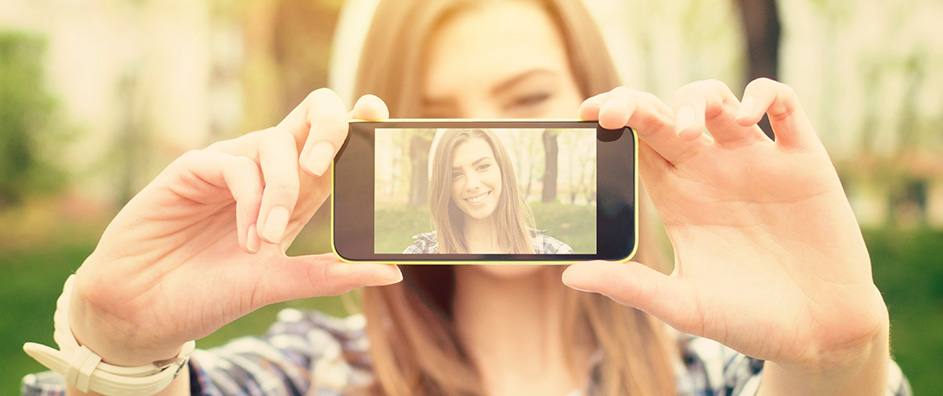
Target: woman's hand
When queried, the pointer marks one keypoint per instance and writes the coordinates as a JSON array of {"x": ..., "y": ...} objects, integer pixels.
[
  {"x": 769, "y": 259},
  {"x": 204, "y": 243}
]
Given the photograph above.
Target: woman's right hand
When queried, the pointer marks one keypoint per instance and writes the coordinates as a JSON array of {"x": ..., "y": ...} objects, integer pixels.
[{"x": 204, "y": 243}]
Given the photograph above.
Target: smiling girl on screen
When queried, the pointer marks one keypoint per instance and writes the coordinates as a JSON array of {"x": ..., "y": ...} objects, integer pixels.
[{"x": 475, "y": 202}]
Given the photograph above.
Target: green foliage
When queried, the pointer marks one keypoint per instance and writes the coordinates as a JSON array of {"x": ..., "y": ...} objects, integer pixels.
[
  {"x": 26, "y": 118},
  {"x": 573, "y": 224},
  {"x": 906, "y": 265},
  {"x": 907, "y": 269},
  {"x": 396, "y": 225}
]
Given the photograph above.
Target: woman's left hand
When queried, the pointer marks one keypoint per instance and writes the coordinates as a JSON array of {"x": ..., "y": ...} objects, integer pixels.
[{"x": 769, "y": 259}]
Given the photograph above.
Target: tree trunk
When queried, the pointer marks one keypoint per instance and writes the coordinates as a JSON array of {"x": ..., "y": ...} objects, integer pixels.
[
  {"x": 761, "y": 24},
  {"x": 419, "y": 147},
  {"x": 551, "y": 150}
]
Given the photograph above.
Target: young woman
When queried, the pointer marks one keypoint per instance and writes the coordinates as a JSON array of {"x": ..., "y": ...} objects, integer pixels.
[
  {"x": 771, "y": 277},
  {"x": 475, "y": 202}
]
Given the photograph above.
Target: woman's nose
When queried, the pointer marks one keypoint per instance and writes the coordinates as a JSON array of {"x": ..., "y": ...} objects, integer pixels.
[
  {"x": 479, "y": 109},
  {"x": 473, "y": 182}
]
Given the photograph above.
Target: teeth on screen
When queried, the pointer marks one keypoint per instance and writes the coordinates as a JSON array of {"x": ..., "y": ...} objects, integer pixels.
[{"x": 478, "y": 198}]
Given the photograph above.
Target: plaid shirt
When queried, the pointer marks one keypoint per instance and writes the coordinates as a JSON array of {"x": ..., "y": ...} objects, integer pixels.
[
  {"x": 308, "y": 353},
  {"x": 541, "y": 242}
]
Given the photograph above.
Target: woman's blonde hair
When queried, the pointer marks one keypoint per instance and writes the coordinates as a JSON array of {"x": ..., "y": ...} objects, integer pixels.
[
  {"x": 512, "y": 216},
  {"x": 413, "y": 341}
]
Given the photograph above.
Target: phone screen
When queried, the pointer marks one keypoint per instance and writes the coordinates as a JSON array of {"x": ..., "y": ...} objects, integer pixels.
[
  {"x": 435, "y": 189},
  {"x": 483, "y": 191}
]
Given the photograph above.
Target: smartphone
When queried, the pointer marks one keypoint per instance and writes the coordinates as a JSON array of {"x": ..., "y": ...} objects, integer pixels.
[{"x": 485, "y": 191}]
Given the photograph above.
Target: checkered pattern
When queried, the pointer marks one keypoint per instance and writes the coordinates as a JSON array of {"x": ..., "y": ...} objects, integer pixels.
[
  {"x": 309, "y": 353},
  {"x": 542, "y": 243}
]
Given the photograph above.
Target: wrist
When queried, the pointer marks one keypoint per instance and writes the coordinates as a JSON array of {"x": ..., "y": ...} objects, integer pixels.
[
  {"x": 116, "y": 343},
  {"x": 861, "y": 369},
  {"x": 112, "y": 324},
  {"x": 85, "y": 370}
]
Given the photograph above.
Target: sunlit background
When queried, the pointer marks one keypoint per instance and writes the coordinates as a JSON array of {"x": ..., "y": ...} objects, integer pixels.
[{"x": 97, "y": 96}]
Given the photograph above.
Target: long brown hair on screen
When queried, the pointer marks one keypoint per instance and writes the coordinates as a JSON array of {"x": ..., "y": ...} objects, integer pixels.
[
  {"x": 413, "y": 341},
  {"x": 512, "y": 216}
]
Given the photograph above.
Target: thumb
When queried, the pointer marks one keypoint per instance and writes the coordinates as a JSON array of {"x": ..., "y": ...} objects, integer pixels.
[
  {"x": 370, "y": 107},
  {"x": 284, "y": 278},
  {"x": 632, "y": 284}
]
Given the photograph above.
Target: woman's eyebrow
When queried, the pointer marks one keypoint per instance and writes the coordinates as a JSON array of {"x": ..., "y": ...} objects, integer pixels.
[
  {"x": 449, "y": 103},
  {"x": 476, "y": 162},
  {"x": 509, "y": 83}
]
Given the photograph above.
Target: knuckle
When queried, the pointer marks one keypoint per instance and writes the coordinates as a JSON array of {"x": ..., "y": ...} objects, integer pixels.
[
  {"x": 282, "y": 191},
  {"x": 788, "y": 92},
  {"x": 621, "y": 91},
  {"x": 319, "y": 94},
  {"x": 217, "y": 146},
  {"x": 245, "y": 164},
  {"x": 276, "y": 137},
  {"x": 195, "y": 156},
  {"x": 764, "y": 81},
  {"x": 650, "y": 98},
  {"x": 759, "y": 84},
  {"x": 714, "y": 84},
  {"x": 287, "y": 186}
]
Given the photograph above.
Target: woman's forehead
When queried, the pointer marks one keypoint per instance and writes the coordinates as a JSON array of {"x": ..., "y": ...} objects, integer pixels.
[
  {"x": 484, "y": 47},
  {"x": 471, "y": 150}
]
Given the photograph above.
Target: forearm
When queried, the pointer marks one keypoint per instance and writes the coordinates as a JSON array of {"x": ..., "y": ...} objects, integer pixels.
[{"x": 861, "y": 371}]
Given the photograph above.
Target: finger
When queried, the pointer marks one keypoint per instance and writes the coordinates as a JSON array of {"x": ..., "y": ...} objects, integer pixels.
[
  {"x": 369, "y": 107},
  {"x": 646, "y": 114},
  {"x": 278, "y": 158},
  {"x": 319, "y": 125},
  {"x": 589, "y": 109},
  {"x": 289, "y": 278},
  {"x": 242, "y": 177},
  {"x": 634, "y": 285},
  {"x": 244, "y": 146},
  {"x": 710, "y": 105},
  {"x": 653, "y": 168},
  {"x": 789, "y": 122}
]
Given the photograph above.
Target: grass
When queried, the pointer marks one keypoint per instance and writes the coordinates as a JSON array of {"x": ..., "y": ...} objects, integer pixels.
[
  {"x": 573, "y": 224},
  {"x": 907, "y": 268}
]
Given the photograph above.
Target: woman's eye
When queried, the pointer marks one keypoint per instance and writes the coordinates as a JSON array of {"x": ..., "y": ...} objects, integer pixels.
[
  {"x": 528, "y": 101},
  {"x": 456, "y": 175},
  {"x": 483, "y": 167}
]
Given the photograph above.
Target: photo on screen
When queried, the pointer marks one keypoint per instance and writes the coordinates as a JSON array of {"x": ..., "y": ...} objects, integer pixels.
[{"x": 431, "y": 183}]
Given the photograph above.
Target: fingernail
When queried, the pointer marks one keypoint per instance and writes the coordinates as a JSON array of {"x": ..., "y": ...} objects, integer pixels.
[
  {"x": 746, "y": 107},
  {"x": 319, "y": 158},
  {"x": 581, "y": 290},
  {"x": 387, "y": 275},
  {"x": 567, "y": 284},
  {"x": 275, "y": 224},
  {"x": 684, "y": 119}
]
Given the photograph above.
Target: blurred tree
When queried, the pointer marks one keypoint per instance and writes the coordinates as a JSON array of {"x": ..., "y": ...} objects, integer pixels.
[
  {"x": 287, "y": 50},
  {"x": 303, "y": 33},
  {"x": 551, "y": 150},
  {"x": 762, "y": 28},
  {"x": 420, "y": 142},
  {"x": 26, "y": 118}
]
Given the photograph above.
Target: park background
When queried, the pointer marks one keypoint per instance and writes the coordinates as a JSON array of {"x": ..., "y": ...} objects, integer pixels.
[
  {"x": 96, "y": 96},
  {"x": 555, "y": 171}
]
